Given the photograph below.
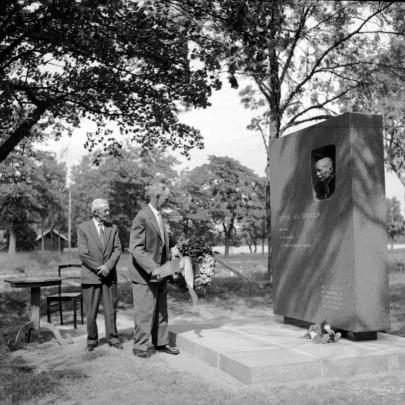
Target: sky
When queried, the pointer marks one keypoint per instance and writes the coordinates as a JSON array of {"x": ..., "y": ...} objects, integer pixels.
[{"x": 223, "y": 126}]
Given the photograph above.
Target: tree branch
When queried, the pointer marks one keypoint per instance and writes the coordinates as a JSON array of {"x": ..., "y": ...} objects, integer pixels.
[
  {"x": 319, "y": 106},
  {"x": 262, "y": 134},
  {"x": 263, "y": 88},
  {"x": 294, "y": 43},
  {"x": 384, "y": 32},
  {"x": 318, "y": 117},
  {"x": 329, "y": 50},
  {"x": 23, "y": 131},
  {"x": 347, "y": 78}
]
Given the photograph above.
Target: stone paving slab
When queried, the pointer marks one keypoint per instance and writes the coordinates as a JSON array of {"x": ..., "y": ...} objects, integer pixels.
[{"x": 265, "y": 349}]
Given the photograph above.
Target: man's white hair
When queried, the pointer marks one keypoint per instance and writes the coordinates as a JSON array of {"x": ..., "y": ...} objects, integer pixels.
[
  {"x": 99, "y": 203},
  {"x": 326, "y": 159}
]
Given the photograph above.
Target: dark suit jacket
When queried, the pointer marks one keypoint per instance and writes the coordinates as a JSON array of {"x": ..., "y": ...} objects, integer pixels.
[
  {"x": 324, "y": 190},
  {"x": 93, "y": 254},
  {"x": 146, "y": 247}
]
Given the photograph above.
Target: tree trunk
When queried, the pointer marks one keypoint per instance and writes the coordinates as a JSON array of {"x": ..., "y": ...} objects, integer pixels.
[
  {"x": 12, "y": 242},
  {"x": 21, "y": 132},
  {"x": 227, "y": 243},
  {"x": 268, "y": 214},
  {"x": 275, "y": 115},
  {"x": 228, "y": 235},
  {"x": 42, "y": 236},
  {"x": 59, "y": 242}
]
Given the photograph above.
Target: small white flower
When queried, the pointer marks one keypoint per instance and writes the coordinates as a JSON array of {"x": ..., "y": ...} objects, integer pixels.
[{"x": 175, "y": 251}]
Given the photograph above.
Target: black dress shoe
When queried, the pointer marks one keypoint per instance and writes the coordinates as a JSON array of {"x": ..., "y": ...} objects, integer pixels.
[
  {"x": 167, "y": 349},
  {"x": 90, "y": 347},
  {"x": 141, "y": 353},
  {"x": 117, "y": 345}
]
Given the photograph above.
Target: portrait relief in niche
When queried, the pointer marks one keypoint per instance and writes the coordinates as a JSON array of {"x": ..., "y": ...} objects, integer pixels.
[{"x": 323, "y": 171}]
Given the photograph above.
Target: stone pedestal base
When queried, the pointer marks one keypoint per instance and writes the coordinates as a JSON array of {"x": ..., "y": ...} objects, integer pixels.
[{"x": 263, "y": 349}]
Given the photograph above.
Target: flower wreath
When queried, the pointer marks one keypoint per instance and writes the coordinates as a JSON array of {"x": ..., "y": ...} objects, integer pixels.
[
  {"x": 322, "y": 333},
  {"x": 202, "y": 260}
]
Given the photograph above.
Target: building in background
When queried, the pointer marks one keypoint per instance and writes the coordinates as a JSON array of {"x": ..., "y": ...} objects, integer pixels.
[{"x": 52, "y": 240}]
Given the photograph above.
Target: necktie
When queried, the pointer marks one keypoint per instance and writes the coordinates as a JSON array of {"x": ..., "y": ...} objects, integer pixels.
[
  {"x": 101, "y": 233},
  {"x": 160, "y": 223}
]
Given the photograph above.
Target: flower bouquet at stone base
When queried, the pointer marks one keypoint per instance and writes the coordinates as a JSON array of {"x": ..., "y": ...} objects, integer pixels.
[
  {"x": 193, "y": 260},
  {"x": 322, "y": 333}
]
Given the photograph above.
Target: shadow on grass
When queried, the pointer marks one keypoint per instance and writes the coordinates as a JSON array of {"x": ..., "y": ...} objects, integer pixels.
[
  {"x": 396, "y": 269},
  {"x": 14, "y": 314},
  {"x": 226, "y": 291},
  {"x": 20, "y": 382},
  {"x": 396, "y": 260}
]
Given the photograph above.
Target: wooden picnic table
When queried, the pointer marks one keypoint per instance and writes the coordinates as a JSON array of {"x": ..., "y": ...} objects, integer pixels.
[{"x": 35, "y": 285}]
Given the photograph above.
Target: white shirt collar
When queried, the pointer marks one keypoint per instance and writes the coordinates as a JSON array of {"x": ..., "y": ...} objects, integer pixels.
[
  {"x": 157, "y": 215},
  {"x": 97, "y": 224},
  {"x": 154, "y": 210}
]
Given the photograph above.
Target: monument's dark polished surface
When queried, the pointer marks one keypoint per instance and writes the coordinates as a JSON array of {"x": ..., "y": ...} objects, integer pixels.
[{"x": 329, "y": 251}]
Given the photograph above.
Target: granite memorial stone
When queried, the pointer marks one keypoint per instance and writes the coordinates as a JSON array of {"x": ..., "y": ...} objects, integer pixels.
[{"x": 328, "y": 225}]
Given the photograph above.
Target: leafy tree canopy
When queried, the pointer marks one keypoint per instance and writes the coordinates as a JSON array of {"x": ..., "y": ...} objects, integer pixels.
[
  {"x": 107, "y": 60},
  {"x": 385, "y": 94},
  {"x": 301, "y": 56},
  {"x": 253, "y": 224},
  {"x": 32, "y": 185},
  {"x": 122, "y": 181},
  {"x": 395, "y": 220},
  {"x": 222, "y": 190}
]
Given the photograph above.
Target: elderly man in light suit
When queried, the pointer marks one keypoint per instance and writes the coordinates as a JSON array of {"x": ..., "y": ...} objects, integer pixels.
[
  {"x": 99, "y": 250},
  {"x": 149, "y": 249}
]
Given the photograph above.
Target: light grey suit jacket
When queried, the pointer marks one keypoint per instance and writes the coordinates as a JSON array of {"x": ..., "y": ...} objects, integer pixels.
[
  {"x": 93, "y": 254},
  {"x": 146, "y": 247}
]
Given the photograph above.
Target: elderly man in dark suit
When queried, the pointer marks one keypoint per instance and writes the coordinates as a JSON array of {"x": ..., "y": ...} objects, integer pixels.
[
  {"x": 149, "y": 249},
  {"x": 99, "y": 250}
]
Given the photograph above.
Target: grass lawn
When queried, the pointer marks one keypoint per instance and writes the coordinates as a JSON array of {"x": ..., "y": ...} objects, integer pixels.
[{"x": 229, "y": 294}]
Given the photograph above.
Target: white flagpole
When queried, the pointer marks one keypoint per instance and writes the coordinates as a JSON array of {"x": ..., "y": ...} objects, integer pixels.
[
  {"x": 70, "y": 195},
  {"x": 70, "y": 219}
]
